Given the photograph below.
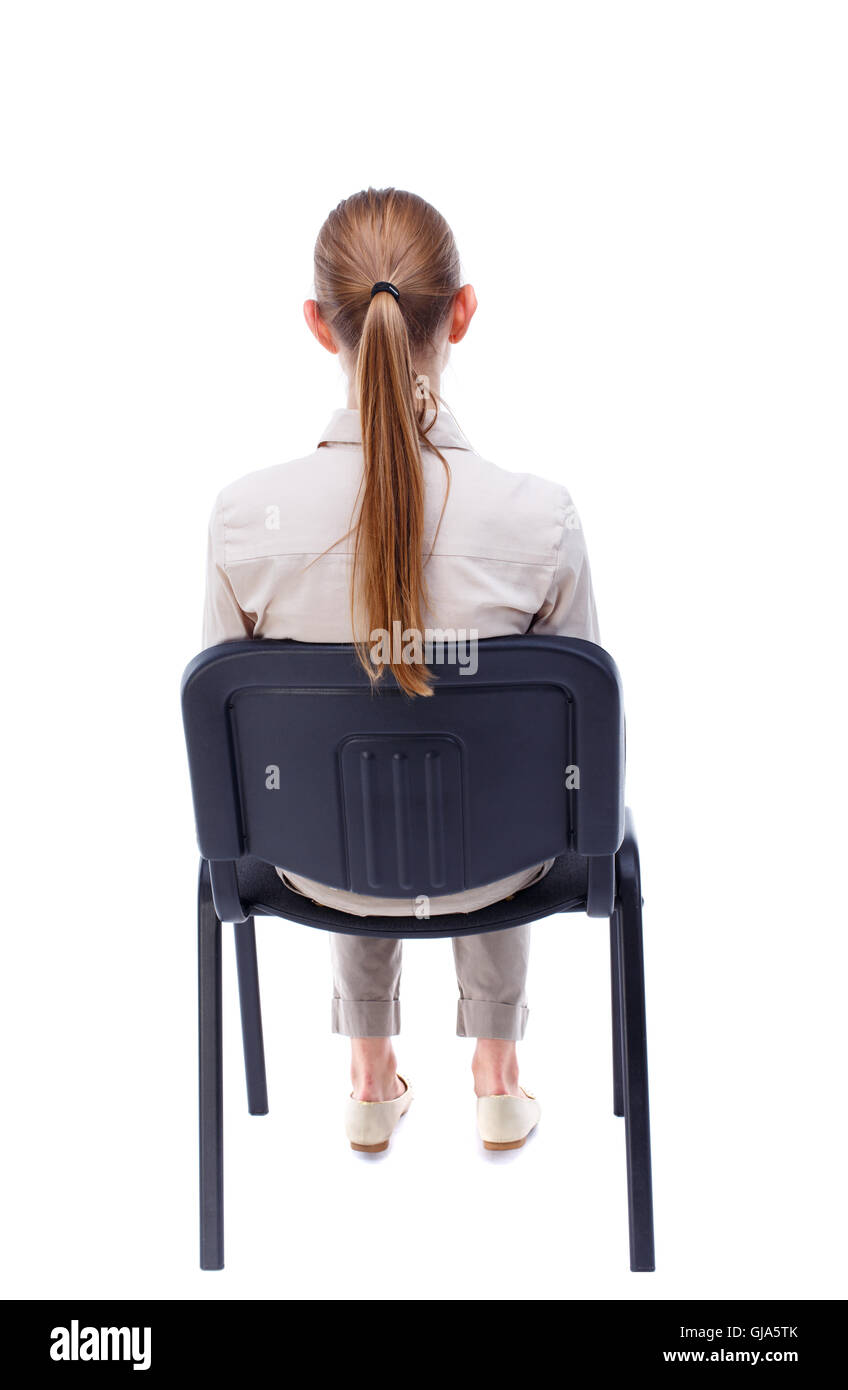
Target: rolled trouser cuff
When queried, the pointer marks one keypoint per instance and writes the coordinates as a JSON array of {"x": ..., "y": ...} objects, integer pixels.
[
  {"x": 483, "y": 1018},
  {"x": 366, "y": 1018}
]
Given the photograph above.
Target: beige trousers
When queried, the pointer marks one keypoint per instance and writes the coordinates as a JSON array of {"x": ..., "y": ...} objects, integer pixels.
[
  {"x": 491, "y": 972},
  {"x": 491, "y": 968}
]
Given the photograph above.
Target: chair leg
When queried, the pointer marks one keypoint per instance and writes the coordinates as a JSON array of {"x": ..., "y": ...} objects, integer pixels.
[
  {"x": 251, "y": 1017},
  {"x": 211, "y": 1078},
  {"x": 615, "y": 981},
  {"x": 635, "y": 1055}
]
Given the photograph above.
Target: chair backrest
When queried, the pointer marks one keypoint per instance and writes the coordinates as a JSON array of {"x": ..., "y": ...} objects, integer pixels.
[{"x": 294, "y": 759}]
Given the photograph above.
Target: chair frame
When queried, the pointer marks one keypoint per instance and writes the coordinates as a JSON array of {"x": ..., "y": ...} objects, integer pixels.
[{"x": 629, "y": 1032}]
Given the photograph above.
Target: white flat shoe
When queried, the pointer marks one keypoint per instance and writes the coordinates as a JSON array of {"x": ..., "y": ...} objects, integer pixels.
[
  {"x": 369, "y": 1124},
  {"x": 505, "y": 1121}
]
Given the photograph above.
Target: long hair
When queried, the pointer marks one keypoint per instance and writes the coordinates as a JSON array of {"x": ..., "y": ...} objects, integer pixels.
[{"x": 386, "y": 234}]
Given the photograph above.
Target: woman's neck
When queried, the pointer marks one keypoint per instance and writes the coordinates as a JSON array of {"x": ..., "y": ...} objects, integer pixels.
[{"x": 432, "y": 383}]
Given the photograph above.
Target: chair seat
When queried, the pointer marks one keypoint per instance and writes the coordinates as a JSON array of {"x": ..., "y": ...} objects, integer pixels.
[{"x": 563, "y": 889}]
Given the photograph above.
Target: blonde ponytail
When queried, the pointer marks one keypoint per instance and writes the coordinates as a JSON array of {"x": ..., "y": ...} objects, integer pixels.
[{"x": 392, "y": 236}]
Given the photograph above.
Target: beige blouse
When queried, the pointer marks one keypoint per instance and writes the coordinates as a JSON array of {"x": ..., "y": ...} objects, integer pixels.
[{"x": 510, "y": 557}]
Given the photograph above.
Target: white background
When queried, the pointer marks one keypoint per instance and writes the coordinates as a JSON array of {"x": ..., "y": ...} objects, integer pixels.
[{"x": 650, "y": 201}]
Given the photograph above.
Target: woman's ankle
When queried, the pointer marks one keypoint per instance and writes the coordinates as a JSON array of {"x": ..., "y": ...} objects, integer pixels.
[
  {"x": 373, "y": 1070},
  {"x": 494, "y": 1067}
]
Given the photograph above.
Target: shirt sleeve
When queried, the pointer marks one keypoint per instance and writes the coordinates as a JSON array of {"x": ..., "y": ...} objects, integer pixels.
[
  {"x": 223, "y": 619},
  {"x": 569, "y": 607}
]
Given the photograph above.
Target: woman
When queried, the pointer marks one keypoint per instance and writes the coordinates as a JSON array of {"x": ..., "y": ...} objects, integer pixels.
[{"x": 394, "y": 518}]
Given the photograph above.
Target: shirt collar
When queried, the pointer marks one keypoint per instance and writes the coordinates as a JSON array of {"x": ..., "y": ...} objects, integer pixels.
[{"x": 343, "y": 428}]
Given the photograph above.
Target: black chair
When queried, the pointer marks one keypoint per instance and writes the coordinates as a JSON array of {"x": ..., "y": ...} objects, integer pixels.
[{"x": 294, "y": 760}]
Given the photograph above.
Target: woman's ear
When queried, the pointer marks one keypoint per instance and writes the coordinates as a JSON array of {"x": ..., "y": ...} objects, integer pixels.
[
  {"x": 464, "y": 307},
  {"x": 317, "y": 326}
]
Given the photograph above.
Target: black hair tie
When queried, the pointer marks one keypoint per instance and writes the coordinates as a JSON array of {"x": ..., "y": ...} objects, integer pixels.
[{"x": 385, "y": 285}]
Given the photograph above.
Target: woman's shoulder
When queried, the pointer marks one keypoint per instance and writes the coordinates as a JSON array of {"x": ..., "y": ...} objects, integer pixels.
[
  {"x": 300, "y": 505},
  {"x": 298, "y": 486},
  {"x": 270, "y": 478},
  {"x": 504, "y": 512},
  {"x": 519, "y": 491}
]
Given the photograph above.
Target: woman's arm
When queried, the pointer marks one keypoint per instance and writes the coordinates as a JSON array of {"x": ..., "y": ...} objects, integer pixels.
[
  {"x": 223, "y": 619},
  {"x": 569, "y": 607}
]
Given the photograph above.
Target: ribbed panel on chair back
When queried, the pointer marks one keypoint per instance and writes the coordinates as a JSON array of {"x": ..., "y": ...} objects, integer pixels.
[{"x": 295, "y": 760}]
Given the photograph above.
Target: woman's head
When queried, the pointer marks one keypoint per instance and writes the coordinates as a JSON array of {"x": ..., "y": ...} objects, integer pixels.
[
  {"x": 387, "y": 345},
  {"x": 387, "y": 234}
]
